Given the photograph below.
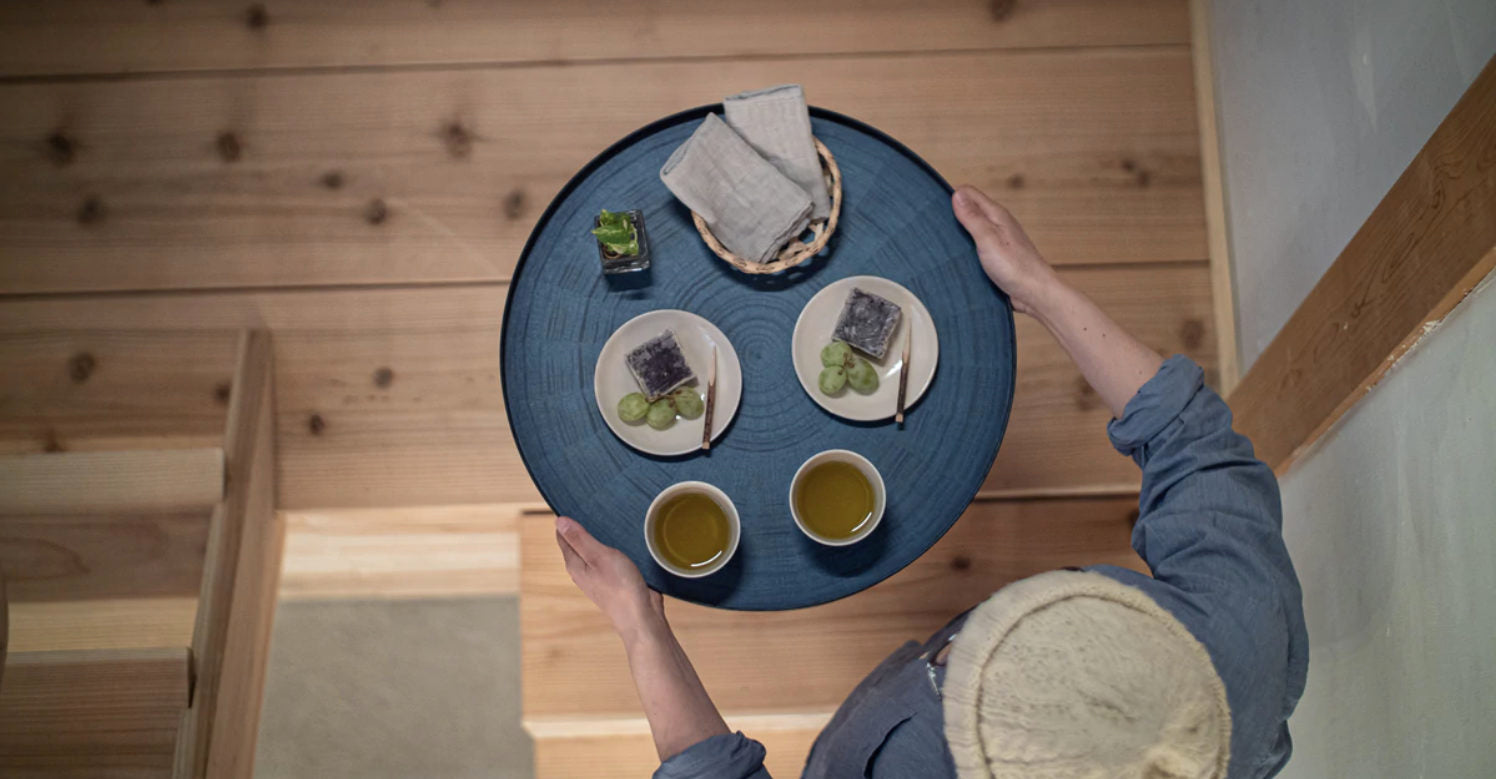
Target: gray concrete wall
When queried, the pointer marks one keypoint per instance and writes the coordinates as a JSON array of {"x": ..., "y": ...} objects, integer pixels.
[{"x": 1322, "y": 104}]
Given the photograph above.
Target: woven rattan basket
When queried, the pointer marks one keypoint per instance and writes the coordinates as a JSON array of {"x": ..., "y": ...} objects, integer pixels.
[{"x": 796, "y": 251}]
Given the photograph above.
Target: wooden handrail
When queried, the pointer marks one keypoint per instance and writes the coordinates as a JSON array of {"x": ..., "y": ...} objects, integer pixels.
[{"x": 1426, "y": 245}]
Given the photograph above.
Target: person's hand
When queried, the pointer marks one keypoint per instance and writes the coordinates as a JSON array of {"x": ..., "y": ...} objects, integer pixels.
[
  {"x": 607, "y": 577},
  {"x": 1007, "y": 254}
]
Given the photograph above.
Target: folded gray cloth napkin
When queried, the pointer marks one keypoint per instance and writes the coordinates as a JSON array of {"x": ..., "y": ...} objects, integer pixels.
[
  {"x": 776, "y": 124},
  {"x": 751, "y": 207}
]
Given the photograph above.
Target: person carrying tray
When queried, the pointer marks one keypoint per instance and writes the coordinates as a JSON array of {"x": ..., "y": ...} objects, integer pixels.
[{"x": 1095, "y": 672}]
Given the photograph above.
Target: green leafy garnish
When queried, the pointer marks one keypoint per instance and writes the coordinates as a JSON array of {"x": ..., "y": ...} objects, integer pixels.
[{"x": 616, "y": 233}]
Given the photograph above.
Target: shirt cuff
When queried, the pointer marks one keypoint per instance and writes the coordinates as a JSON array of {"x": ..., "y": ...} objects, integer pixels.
[
  {"x": 724, "y": 756},
  {"x": 1157, "y": 403}
]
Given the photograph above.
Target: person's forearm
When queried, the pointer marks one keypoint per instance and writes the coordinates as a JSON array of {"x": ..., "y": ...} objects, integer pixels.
[
  {"x": 679, "y": 710},
  {"x": 1114, "y": 362}
]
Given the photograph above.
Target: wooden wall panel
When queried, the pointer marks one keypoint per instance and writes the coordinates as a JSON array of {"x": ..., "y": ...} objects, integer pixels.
[
  {"x": 807, "y": 658},
  {"x": 1056, "y": 440},
  {"x": 384, "y": 397},
  {"x": 423, "y": 176},
  {"x": 64, "y": 390},
  {"x": 102, "y": 36},
  {"x": 435, "y": 433}
]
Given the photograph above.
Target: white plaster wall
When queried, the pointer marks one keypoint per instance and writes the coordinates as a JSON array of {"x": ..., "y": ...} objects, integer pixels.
[
  {"x": 1323, "y": 103},
  {"x": 1391, "y": 522}
]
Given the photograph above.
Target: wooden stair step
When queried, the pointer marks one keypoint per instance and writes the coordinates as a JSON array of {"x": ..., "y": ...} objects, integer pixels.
[
  {"x": 811, "y": 658},
  {"x": 607, "y": 747},
  {"x": 114, "y": 623},
  {"x": 92, "y": 713},
  {"x": 141, "y": 481},
  {"x": 414, "y": 552}
]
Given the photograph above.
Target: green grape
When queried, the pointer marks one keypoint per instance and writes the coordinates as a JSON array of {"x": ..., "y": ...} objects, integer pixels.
[
  {"x": 832, "y": 379},
  {"x": 687, "y": 402},
  {"x": 835, "y": 354},
  {"x": 862, "y": 377},
  {"x": 632, "y": 407},
  {"x": 661, "y": 414}
]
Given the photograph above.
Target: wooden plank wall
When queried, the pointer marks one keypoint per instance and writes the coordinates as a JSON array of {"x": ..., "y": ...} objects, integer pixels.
[{"x": 359, "y": 177}]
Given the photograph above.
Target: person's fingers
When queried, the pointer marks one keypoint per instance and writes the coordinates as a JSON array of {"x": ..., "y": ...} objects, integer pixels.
[
  {"x": 582, "y": 542},
  {"x": 969, "y": 212},
  {"x": 989, "y": 207},
  {"x": 574, "y": 563}
]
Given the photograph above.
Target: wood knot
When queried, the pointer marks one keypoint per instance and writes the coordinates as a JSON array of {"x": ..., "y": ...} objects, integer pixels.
[
  {"x": 1143, "y": 178},
  {"x": 222, "y": 391},
  {"x": 384, "y": 377},
  {"x": 1129, "y": 165},
  {"x": 316, "y": 424},
  {"x": 1002, "y": 9},
  {"x": 376, "y": 212},
  {"x": 960, "y": 562},
  {"x": 1085, "y": 395},
  {"x": 332, "y": 179},
  {"x": 1192, "y": 333},
  {"x": 61, "y": 149},
  {"x": 458, "y": 140},
  {"x": 81, "y": 366},
  {"x": 92, "y": 211},
  {"x": 53, "y": 443},
  {"x": 257, "y": 17},
  {"x": 1016, "y": 181},
  {"x": 230, "y": 149},
  {"x": 514, "y": 204}
]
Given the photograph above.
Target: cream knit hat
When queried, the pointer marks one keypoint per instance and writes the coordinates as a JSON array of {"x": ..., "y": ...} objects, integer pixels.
[{"x": 1070, "y": 674}]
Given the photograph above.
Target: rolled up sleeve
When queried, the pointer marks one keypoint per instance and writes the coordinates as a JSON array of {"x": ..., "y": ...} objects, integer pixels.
[
  {"x": 1210, "y": 529},
  {"x": 724, "y": 756}
]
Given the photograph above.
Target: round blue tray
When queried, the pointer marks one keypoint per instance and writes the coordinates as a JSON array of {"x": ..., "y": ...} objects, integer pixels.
[{"x": 896, "y": 222}]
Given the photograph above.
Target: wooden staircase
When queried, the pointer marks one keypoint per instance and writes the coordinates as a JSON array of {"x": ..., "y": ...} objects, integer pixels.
[
  {"x": 778, "y": 676},
  {"x": 139, "y": 590}
]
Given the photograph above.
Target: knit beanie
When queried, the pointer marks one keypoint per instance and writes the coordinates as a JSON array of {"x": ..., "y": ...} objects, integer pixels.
[{"x": 1071, "y": 674}]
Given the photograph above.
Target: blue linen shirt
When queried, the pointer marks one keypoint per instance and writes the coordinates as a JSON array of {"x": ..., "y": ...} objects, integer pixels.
[{"x": 1209, "y": 528}]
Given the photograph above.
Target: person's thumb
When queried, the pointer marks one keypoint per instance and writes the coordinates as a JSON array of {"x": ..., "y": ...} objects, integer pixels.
[
  {"x": 578, "y": 538},
  {"x": 970, "y": 215}
]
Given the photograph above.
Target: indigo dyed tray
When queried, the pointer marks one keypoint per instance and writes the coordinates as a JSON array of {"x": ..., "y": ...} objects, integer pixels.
[{"x": 896, "y": 222}]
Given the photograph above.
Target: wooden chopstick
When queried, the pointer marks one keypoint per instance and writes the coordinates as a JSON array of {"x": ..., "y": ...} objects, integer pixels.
[
  {"x": 898, "y": 416},
  {"x": 711, "y": 401}
]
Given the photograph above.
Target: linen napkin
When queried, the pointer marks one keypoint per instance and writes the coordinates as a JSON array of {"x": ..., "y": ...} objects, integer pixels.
[
  {"x": 750, "y": 206},
  {"x": 776, "y": 123}
]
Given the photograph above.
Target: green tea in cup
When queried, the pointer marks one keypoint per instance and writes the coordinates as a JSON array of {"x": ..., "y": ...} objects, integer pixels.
[
  {"x": 691, "y": 529},
  {"x": 836, "y": 497}
]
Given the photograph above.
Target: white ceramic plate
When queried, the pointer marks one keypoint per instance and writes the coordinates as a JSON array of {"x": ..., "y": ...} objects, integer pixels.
[
  {"x": 813, "y": 331},
  {"x": 611, "y": 380}
]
